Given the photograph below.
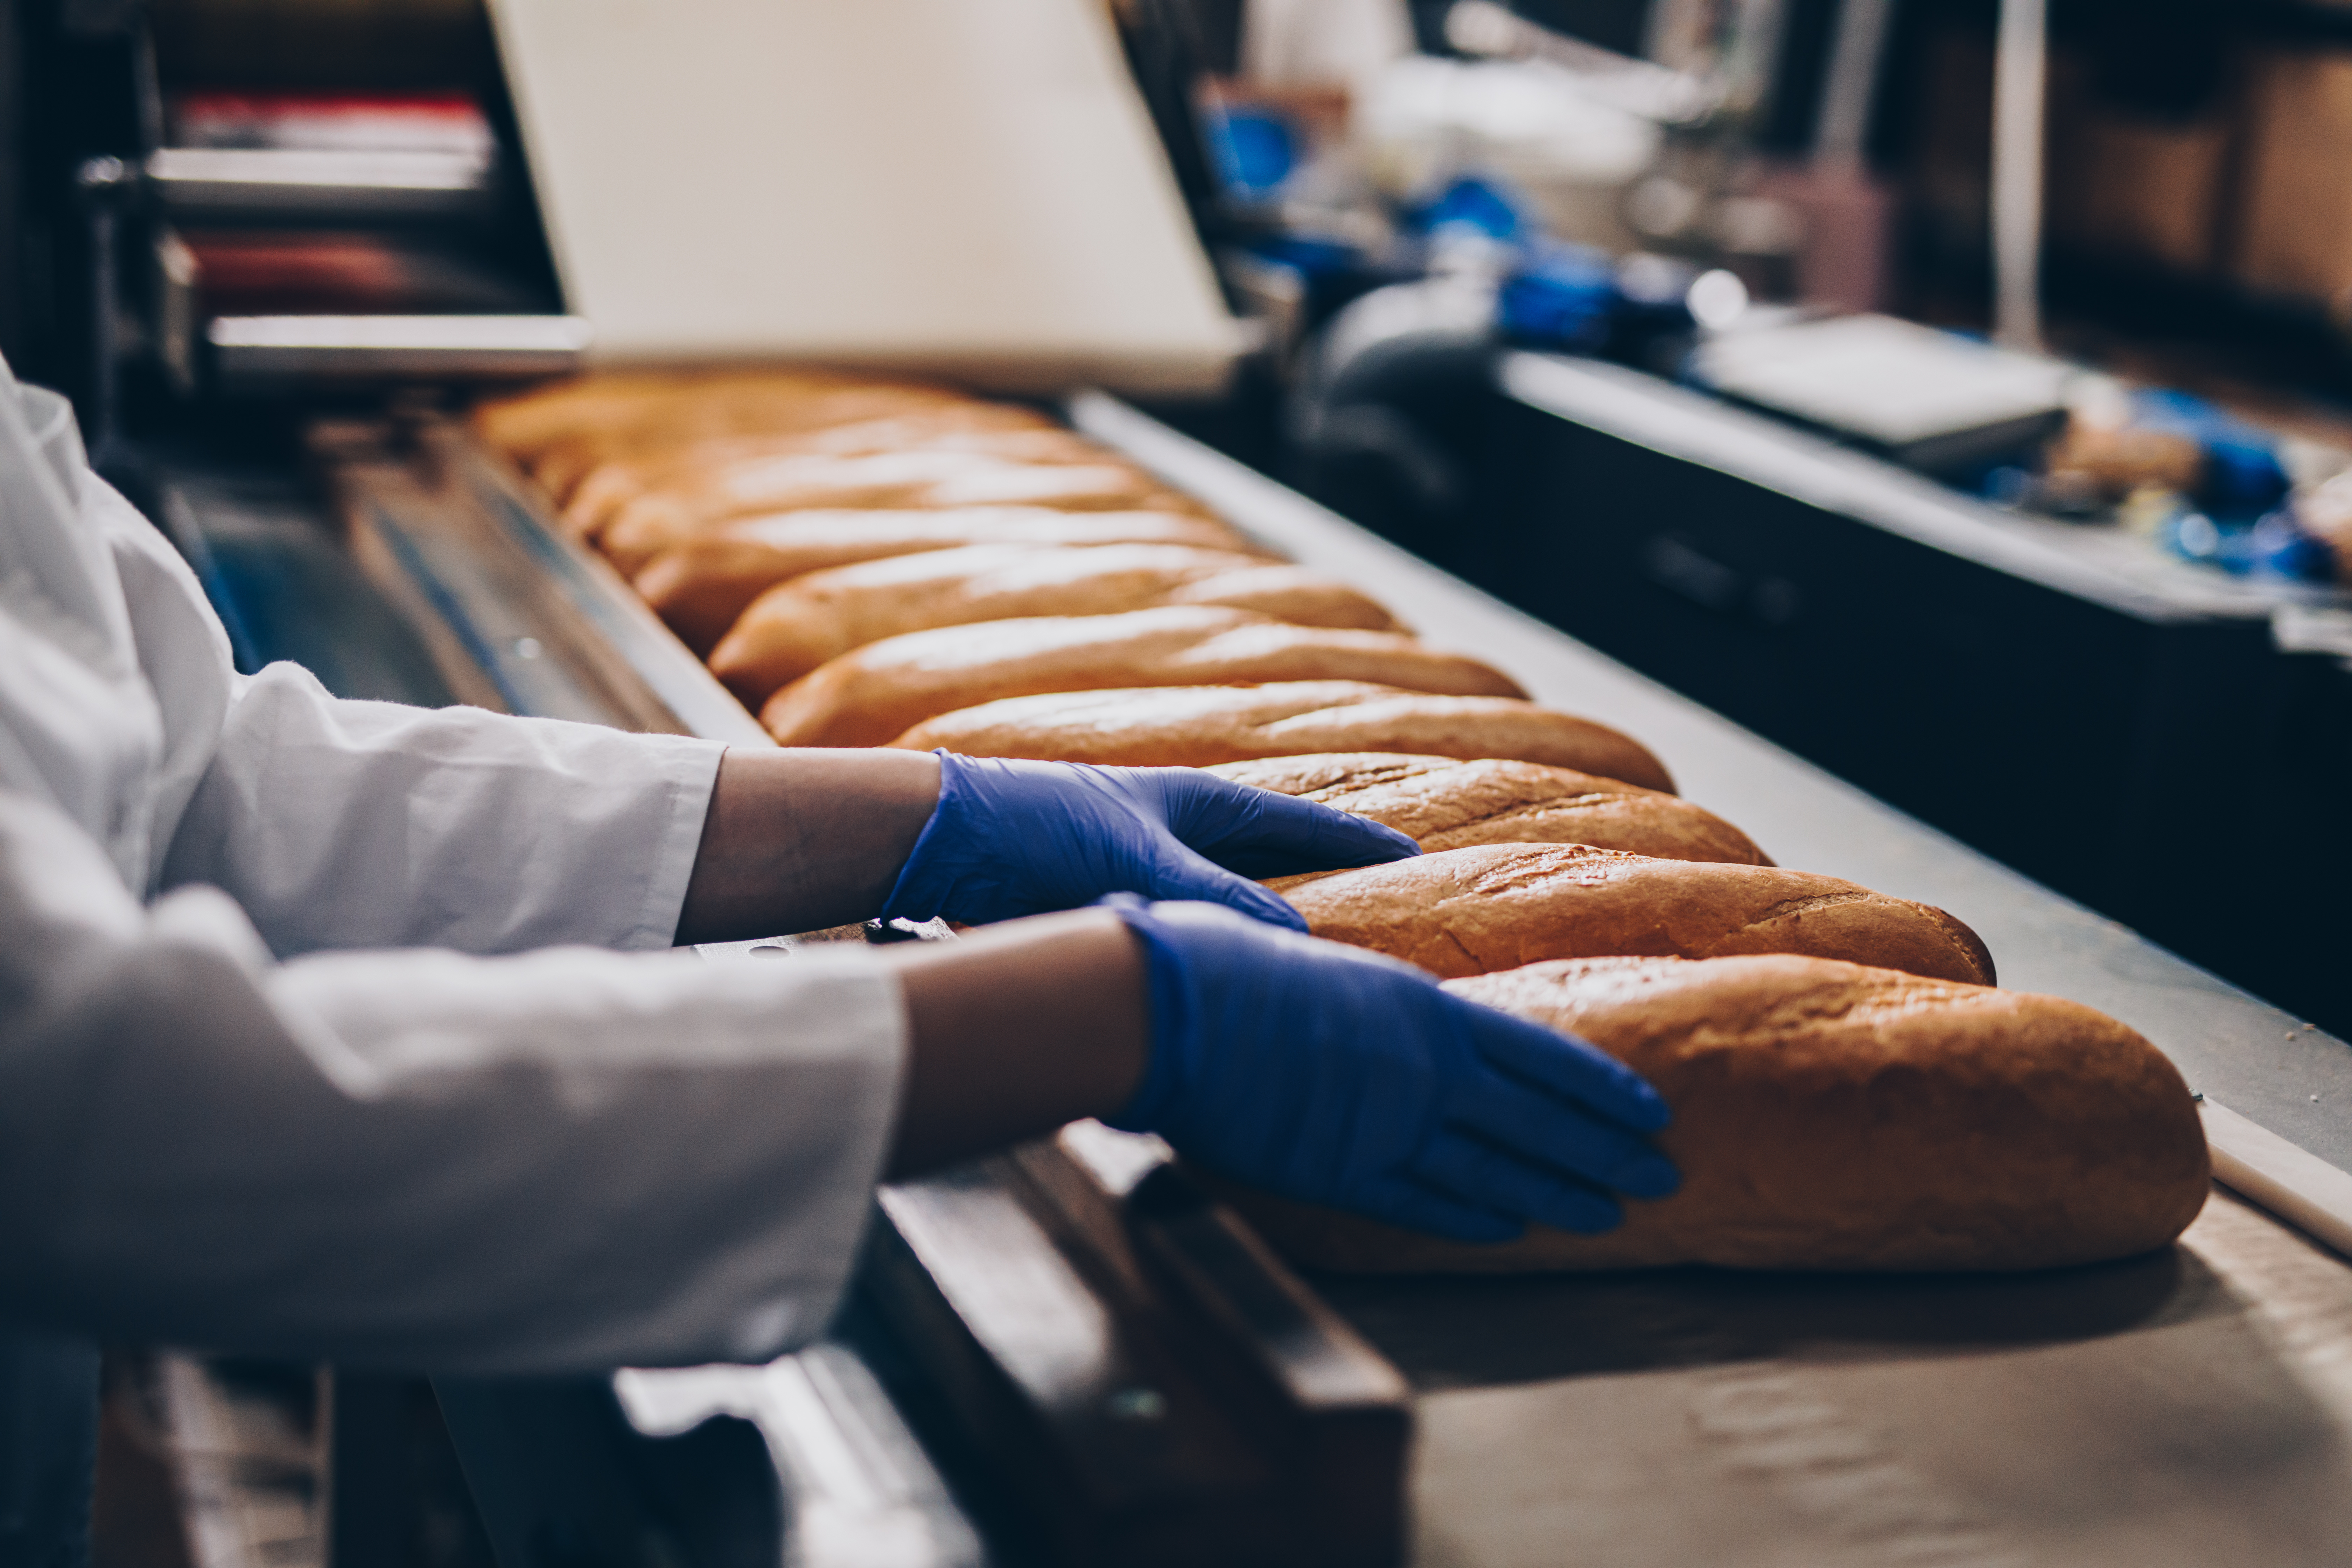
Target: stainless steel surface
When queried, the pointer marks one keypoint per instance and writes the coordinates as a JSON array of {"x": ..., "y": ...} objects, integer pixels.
[
  {"x": 2189, "y": 1408},
  {"x": 257, "y": 353},
  {"x": 682, "y": 682},
  {"x": 289, "y": 183},
  {"x": 520, "y": 617},
  {"x": 502, "y": 636},
  {"x": 2094, "y": 564}
]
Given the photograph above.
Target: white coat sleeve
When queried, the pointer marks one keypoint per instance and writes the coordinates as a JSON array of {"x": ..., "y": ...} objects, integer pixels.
[
  {"x": 569, "y": 1159},
  {"x": 341, "y": 824}
]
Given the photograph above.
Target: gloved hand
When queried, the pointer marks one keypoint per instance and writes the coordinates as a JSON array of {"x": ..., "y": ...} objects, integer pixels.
[
  {"x": 1339, "y": 1077},
  {"x": 1019, "y": 839}
]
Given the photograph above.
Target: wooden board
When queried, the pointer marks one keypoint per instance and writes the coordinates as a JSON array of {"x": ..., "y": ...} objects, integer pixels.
[{"x": 1136, "y": 1368}]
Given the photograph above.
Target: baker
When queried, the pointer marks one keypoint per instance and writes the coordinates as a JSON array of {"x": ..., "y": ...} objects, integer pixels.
[{"x": 352, "y": 1031}]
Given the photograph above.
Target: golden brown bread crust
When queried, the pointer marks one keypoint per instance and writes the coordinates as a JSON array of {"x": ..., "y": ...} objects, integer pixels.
[
  {"x": 1443, "y": 803},
  {"x": 798, "y": 625},
  {"x": 873, "y": 694},
  {"x": 613, "y": 402},
  {"x": 1298, "y": 595},
  {"x": 613, "y": 413},
  {"x": 527, "y": 423},
  {"x": 702, "y": 584},
  {"x": 1500, "y": 906},
  {"x": 845, "y": 422},
  {"x": 1831, "y": 1116},
  {"x": 721, "y": 464},
  {"x": 927, "y": 480},
  {"x": 1196, "y": 726}
]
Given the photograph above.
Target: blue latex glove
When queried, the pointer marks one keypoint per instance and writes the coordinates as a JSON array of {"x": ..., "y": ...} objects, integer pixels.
[
  {"x": 1013, "y": 838},
  {"x": 1339, "y": 1077}
]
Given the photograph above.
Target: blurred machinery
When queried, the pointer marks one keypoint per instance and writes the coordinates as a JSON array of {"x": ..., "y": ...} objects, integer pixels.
[{"x": 2141, "y": 581}]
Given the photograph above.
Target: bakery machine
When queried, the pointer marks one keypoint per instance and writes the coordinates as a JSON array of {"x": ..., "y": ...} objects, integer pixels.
[{"x": 1072, "y": 1354}]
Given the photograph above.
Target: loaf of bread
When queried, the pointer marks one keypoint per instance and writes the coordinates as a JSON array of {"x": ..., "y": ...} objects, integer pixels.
[
  {"x": 570, "y": 427},
  {"x": 703, "y": 585},
  {"x": 864, "y": 420},
  {"x": 1441, "y": 802},
  {"x": 927, "y": 480},
  {"x": 1195, "y": 726},
  {"x": 612, "y": 401},
  {"x": 724, "y": 463},
  {"x": 1828, "y": 1116},
  {"x": 874, "y": 694},
  {"x": 618, "y": 404},
  {"x": 1499, "y": 906},
  {"x": 797, "y": 625}
]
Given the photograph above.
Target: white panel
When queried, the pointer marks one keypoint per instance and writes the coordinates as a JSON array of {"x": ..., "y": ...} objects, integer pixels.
[
  {"x": 2293, "y": 1183},
  {"x": 972, "y": 185}
]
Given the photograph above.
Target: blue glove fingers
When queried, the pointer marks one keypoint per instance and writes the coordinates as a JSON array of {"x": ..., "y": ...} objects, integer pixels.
[
  {"x": 1402, "y": 1201},
  {"x": 1178, "y": 873},
  {"x": 1482, "y": 1175},
  {"x": 1259, "y": 832},
  {"x": 1566, "y": 1065},
  {"x": 1540, "y": 1128}
]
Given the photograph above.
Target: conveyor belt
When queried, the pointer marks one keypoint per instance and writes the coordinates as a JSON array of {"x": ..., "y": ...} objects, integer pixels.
[
  {"x": 2186, "y": 1408},
  {"x": 2190, "y": 1407}
]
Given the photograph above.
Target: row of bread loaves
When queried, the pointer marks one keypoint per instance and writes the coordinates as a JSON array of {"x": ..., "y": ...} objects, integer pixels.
[{"x": 881, "y": 561}]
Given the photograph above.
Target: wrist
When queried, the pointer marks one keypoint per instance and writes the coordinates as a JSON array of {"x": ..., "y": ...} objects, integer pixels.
[
  {"x": 1015, "y": 1030},
  {"x": 924, "y": 885},
  {"x": 799, "y": 840},
  {"x": 1168, "y": 1009}
]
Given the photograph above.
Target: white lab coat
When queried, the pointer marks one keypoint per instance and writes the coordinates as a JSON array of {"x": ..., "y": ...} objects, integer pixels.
[{"x": 320, "y": 1032}]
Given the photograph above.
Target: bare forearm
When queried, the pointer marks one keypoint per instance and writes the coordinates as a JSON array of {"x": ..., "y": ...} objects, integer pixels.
[
  {"x": 803, "y": 839},
  {"x": 1017, "y": 1030}
]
